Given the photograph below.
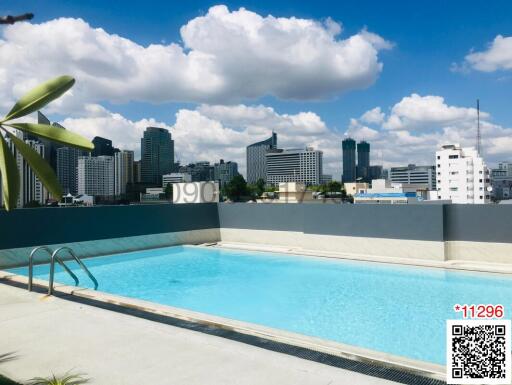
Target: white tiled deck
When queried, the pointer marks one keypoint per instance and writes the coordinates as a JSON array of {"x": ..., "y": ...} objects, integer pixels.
[{"x": 50, "y": 334}]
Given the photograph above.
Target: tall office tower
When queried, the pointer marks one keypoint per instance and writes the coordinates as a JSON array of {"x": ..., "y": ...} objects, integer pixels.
[
  {"x": 96, "y": 175},
  {"x": 294, "y": 166},
  {"x": 363, "y": 161},
  {"x": 349, "y": 160},
  {"x": 50, "y": 147},
  {"x": 462, "y": 175},
  {"x": 102, "y": 147},
  {"x": 375, "y": 172},
  {"x": 225, "y": 171},
  {"x": 31, "y": 188},
  {"x": 136, "y": 171},
  {"x": 123, "y": 171},
  {"x": 67, "y": 163},
  {"x": 256, "y": 160},
  {"x": 157, "y": 155},
  {"x": 412, "y": 174}
]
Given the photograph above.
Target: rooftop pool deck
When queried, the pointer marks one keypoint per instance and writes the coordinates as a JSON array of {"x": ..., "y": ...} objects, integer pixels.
[{"x": 379, "y": 307}]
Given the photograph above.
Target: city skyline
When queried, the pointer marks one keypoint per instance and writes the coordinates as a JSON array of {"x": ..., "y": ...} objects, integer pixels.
[{"x": 396, "y": 98}]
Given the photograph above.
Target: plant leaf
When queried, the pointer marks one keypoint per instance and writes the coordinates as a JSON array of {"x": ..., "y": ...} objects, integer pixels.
[
  {"x": 56, "y": 134},
  {"x": 10, "y": 177},
  {"x": 40, "y": 96},
  {"x": 41, "y": 168}
]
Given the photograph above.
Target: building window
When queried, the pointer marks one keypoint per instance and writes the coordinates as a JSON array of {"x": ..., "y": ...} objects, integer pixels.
[
  {"x": 438, "y": 157},
  {"x": 480, "y": 180},
  {"x": 453, "y": 156},
  {"x": 481, "y": 197},
  {"x": 438, "y": 166}
]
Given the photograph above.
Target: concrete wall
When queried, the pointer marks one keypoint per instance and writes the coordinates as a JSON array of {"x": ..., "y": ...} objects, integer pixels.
[
  {"x": 400, "y": 231},
  {"x": 103, "y": 230},
  {"x": 435, "y": 232},
  {"x": 478, "y": 232}
]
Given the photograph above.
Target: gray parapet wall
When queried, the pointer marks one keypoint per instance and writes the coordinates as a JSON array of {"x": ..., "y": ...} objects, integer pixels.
[
  {"x": 434, "y": 232},
  {"x": 400, "y": 231},
  {"x": 101, "y": 230}
]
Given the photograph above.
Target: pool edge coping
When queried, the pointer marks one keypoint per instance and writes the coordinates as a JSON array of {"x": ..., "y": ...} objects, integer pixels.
[
  {"x": 452, "y": 264},
  {"x": 350, "y": 352}
]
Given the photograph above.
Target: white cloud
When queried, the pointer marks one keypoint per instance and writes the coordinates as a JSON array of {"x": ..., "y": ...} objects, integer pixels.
[
  {"x": 417, "y": 125},
  {"x": 225, "y": 56},
  {"x": 375, "y": 116},
  {"x": 498, "y": 56},
  {"x": 421, "y": 112}
]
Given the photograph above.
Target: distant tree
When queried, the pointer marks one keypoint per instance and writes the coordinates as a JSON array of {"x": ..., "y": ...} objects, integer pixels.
[
  {"x": 271, "y": 189},
  {"x": 168, "y": 191},
  {"x": 260, "y": 187},
  {"x": 334, "y": 186},
  {"x": 236, "y": 189}
]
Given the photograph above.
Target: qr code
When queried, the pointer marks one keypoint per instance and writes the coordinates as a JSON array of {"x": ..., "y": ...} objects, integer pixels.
[{"x": 478, "y": 352}]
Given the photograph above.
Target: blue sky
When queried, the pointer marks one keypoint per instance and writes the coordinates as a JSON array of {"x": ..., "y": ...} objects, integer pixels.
[{"x": 427, "y": 37}]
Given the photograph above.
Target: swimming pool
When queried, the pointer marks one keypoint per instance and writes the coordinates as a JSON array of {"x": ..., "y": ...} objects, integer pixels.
[{"x": 388, "y": 308}]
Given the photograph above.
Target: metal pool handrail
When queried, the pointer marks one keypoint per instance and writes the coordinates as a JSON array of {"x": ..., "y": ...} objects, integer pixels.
[
  {"x": 78, "y": 260},
  {"x": 31, "y": 266}
]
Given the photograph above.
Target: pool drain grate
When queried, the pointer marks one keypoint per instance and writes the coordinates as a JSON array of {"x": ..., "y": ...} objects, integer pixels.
[{"x": 386, "y": 373}]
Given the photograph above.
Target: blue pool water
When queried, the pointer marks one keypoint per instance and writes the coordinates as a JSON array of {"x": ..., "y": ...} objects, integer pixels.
[{"x": 398, "y": 310}]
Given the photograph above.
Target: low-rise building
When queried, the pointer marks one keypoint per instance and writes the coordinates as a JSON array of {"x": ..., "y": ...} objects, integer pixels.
[
  {"x": 383, "y": 191},
  {"x": 175, "y": 177},
  {"x": 293, "y": 192},
  {"x": 352, "y": 188}
]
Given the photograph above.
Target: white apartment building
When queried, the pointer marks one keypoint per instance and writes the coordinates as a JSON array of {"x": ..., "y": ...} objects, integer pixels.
[
  {"x": 96, "y": 175},
  {"x": 302, "y": 165},
  {"x": 176, "y": 177},
  {"x": 462, "y": 175},
  {"x": 123, "y": 171}
]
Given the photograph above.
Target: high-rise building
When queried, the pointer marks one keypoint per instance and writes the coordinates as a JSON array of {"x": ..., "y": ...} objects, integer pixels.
[
  {"x": 200, "y": 171},
  {"x": 502, "y": 181},
  {"x": 225, "y": 171},
  {"x": 136, "y": 172},
  {"x": 96, "y": 176},
  {"x": 294, "y": 166},
  {"x": 123, "y": 171},
  {"x": 363, "y": 161},
  {"x": 462, "y": 175},
  {"x": 157, "y": 155},
  {"x": 256, "y": 160},
  {"x": 412, "y": 174},
  {"x": 67, "y": 164},
  {"x": 349, "y": 160},
  {"x": 375, "y": 172},
  {"x": 102, "y": 147},
  {"x": 31, "y": 188},
  {"x": 50, "y": 147}
]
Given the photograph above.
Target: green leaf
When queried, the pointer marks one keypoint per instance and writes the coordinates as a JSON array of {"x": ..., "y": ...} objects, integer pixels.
[
  {"x": 42, "y": 169},
  {"x": 10, "y": 177},
  {"x": 56, "y": 134},
  {"x": 40, "y": 96}
]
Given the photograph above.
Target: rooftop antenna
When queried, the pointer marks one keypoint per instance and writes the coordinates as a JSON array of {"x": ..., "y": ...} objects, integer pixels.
[{"x": 478, "y": 135}]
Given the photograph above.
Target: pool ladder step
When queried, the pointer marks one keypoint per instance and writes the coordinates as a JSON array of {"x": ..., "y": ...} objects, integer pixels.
[{"x": 55, "y": 258}]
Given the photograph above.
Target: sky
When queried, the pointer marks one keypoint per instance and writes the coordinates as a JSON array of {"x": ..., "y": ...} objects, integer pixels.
[{"x": 404, "y": 76}]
